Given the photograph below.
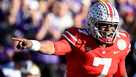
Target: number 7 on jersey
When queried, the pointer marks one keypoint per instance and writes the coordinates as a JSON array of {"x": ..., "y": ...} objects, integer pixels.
[{"x": 103, "y": 61}]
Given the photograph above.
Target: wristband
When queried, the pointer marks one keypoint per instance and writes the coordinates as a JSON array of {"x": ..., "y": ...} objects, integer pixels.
[{"x": 35, "y": 45}]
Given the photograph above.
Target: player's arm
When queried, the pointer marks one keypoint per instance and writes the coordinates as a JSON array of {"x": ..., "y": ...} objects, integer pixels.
[
  {"x": 60, "y": 47},
  {"x": 121, "y": 71}
]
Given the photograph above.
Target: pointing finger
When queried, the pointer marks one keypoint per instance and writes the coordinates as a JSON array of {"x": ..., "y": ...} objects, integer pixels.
[{"x": 17, "y": 39}]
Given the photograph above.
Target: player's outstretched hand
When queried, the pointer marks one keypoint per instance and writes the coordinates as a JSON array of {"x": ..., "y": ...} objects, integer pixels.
[{"x": 22, "y": 43}]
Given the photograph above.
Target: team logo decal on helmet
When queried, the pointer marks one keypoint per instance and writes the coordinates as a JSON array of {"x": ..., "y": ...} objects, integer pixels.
[{"x": 102, "y": 12}]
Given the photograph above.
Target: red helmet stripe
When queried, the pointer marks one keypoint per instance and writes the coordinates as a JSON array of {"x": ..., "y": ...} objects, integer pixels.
[{"x": 110, "y": 9}]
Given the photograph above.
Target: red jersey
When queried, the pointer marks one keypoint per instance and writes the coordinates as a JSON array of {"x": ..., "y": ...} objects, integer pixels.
[{"x": 85, "y": 58}]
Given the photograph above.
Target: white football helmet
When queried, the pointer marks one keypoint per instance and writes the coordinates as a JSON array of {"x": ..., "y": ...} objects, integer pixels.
[{"x": 99, "y": 14}]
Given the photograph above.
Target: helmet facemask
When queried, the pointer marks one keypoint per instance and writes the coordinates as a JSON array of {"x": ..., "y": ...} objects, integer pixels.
[
  {"x": 103, "y": 22},
  {"x": 106, "y": 32}
]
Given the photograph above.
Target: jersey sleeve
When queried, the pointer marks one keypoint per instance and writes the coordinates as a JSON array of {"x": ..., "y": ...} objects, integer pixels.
[
  {"x": 62, "y": 47},
  {"x": 121, "y": 72},
  {"x": 71, "y": 35},
  {"x": 126, "y": 37},
  {"x": 67, "y": 40}
]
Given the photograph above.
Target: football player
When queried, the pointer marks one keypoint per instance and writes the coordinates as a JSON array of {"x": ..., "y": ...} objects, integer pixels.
[{"x": 99, "y": 50}]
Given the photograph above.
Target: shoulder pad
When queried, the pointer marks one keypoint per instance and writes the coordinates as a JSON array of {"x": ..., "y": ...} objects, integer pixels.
[
  {"x": 71, "y": 35},
  {"x": 122, "y": 33},
  {"x": 84, "y": 31}
]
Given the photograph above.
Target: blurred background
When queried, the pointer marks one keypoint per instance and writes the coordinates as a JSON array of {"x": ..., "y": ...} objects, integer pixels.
[{"x": 46, "y": 20}]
